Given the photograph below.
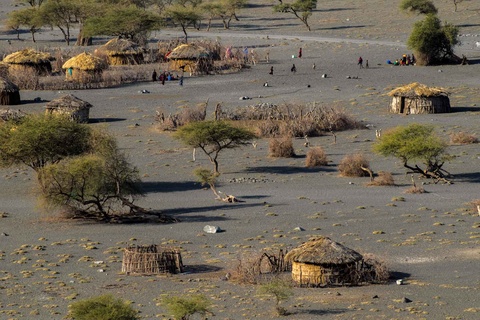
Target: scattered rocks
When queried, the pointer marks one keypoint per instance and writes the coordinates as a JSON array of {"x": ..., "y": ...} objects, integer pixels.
[
  {"x": 298, "y": 229},
  {"x": 144, "y": 91},
  {"x": 249, "y": 180},
  {"x": 324, "y": 75},
  {"x": 4, "y": 234},
  {"x": 211, "y": 229},
  {"x": 245, "y": 98},
  {"x": 406, "y": 300}
]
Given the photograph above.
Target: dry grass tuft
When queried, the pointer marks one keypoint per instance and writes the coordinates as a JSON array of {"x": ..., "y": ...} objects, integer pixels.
[
  {"x": 376, "y": 270},
  {"x": 351, "y": 165},
  {"x": 316, "y": 157},
  {"x": 281, "y": 147},
  {"x": 181, "y": 118},
  {"x": 415, "y": 190},
  {"x": 383, "y": 179},
  {"x": 462, "y": 138},
  {"x": 475, "y": 206}
]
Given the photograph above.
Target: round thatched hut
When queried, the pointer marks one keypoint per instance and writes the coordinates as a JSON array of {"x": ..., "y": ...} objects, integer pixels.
[
  {"x": 321, "y": 261},
  {"x": 122, "y": 52},
  {"x": 29, "y": 60},
  {"x": 9, "y": 92},
  {"x": 77, "y": 109},
  {"x": 416, "y": 98},
  {"x": 84, "y": 68},
  {"x": 191, "y": 58}
]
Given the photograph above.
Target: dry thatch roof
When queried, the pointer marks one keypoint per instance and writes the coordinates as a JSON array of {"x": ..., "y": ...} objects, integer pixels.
[
  {"x": 7, "y": 86},
  {"x": 119, "y": 46},
  {"x": 68, "y": 101},
  {"x": 323, "y": 251},
  {"x": 86, "y": 62},
  {"x": 188, "y": 51},
  {"x": 28, "y": 56},
  {"x": 416, "y": 89}
]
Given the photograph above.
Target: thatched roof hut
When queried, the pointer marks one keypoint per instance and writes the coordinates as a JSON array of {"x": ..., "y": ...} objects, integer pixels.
[
  {"x": 70, "y": 105},
  {"x": 84, "y": 68},
  {"x": 28, "y": 60},
  {"x": 191, "y": 58},
  {"x": 9, "y": 92},
  {"x": 416, "y": 98},
  {"x": 122, "y": 52},
  {"x": 321, "y": 261}
]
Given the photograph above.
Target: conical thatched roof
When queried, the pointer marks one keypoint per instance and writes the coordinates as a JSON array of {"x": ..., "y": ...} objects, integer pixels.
[
  {"x": 28, "y": 56},
  {"x": 188, "y": 51},
  {"x": 86, "y": 62},
  {"x": 416, "y": 89},
  {"x": 323, "y": 251},
  {"x": 68, "y": 101},
  {"x": 7, "y": 86},
  {"x": 119, "y": 46}
]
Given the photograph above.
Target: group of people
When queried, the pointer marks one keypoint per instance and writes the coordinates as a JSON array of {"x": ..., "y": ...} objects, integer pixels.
[
  {"x": 405, "y": 60},
  {"x": 165, "y": 76}
]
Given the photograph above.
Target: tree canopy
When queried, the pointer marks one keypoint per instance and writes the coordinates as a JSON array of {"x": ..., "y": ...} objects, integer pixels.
[
  {"x": 302, "y": 9},
  {"x": 212, "y": 137},
  {"x": 418, "y": 6}
]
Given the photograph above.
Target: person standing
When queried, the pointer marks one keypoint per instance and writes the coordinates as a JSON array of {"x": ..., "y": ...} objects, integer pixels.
[
  {"x": 271, "y": 70},
  {"x": 300, "y": 53},
  {"x": 154, "y": 75},
  {"x": 360, "y": 62},
  {"x": 293, "y": 69}
]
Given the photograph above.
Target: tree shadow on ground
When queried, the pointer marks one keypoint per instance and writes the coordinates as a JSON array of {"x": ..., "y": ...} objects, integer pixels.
[
  {"x": 154, "y": 187},
  {"x": 106, "y": 120},
  {"x": 287, "y": 170},
  {"x": 222, "y": 207},
  {"x": 395, "y": 275},
  {"x": 345, "y": 27},
  {"x": 201, "y": 268},
  {"x": 464, "y": 109},
  {"x": 473, "y": 177},
  {"x": 317, "y": 312}
]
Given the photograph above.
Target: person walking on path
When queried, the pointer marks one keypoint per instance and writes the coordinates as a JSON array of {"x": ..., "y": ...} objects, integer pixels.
[
  {"x": 271, "y": 70},
  {"x": 360, "y": 62},
  {"x": 300, "y": 53},
  {"x": 293, "y": 69},
  {"x": 366, "y": 64}
]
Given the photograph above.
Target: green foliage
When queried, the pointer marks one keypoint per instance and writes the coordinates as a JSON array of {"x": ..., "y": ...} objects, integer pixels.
[
  {"x": 418, "y": 6},
  {"x": 302, "y": 9},
  {"x": 184, "y": 16},
  {"x": 280, "y": 289},
  {"x": 38, "y": 140},
  {"x": 412, "y": 142},
  {"x": 433, "y": 42},
  {"x": 62, "y": 14},
  {"x": 105, "y": 307},
  {"x": 126, "y": 22},
  {"x": 212, "y": 137},
  {"x": 181, "y": 308},
  {"x": 29, "y": 17},
  {"x": 205, "y": 176}
]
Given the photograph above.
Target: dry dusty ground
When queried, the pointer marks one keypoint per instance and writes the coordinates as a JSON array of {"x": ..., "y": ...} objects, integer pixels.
[{"x": 429, "y": 239}]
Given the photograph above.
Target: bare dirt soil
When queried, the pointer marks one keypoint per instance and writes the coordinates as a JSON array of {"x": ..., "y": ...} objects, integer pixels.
[{"x": 430, "y": 240}]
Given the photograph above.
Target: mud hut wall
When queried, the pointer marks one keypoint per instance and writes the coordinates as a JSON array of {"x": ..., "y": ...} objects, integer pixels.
[
  {"x": 9, "y": 98},
  {"x": 188, "y": 63},
  {"x": 83, "y": 76},
  {"x": 125, "y": 59},
  {"x": 138, "y": 261},
  {"x": 420, "y": 105},
  {"x": 37, "y": 69},
  {"x": 80, "y": 115},
  {"x": 322, "y": 275}
]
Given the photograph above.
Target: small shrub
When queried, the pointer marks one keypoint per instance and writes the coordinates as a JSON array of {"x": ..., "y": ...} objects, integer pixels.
[
  {"x": 281, "y": 147},
  {"x": 105, "y": 307},
  {"x": 351, "y": 165},
  {"x": 181, "y": 118},
  {"x": 181, "y": 308},
  {"x": 281, "y": 290},
  {"x": 462, "y": 138},
  {"x": 375, "y": 270},
  {"x": 415, "y": 190},
  {"x": 383, "y": 179},
  {"x": 316, "y": 157}
]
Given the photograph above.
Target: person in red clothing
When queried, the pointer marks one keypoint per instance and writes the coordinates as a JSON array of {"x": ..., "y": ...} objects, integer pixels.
[
  {"x": 300, "y": 53},
  {"x": 360, "y": 62}
]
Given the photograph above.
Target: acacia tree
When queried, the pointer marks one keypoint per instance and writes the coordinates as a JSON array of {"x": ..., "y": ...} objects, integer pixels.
[
  {"x": 39, "y": 140},
  {"x": 184, "y": 16},
  {"x": 28, "y": 17},
  {"x": 212, "y": 137},
  {"x": 416, "y": 142},
  {"x": 61, "y": 14},
  {"x": 302, "y": 9}
]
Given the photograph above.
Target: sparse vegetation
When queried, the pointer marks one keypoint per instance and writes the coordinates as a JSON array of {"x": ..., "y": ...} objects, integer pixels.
[
  {"x": 462, "y": 138},
  {"x": 181, "y": 308},
  {"x": 105, "y": 307},
  {"x": 383, "y": 178},
  {"x": 281, "y": 290},
  {"x": 316, "y": 157},
  {"x": 351, "y": 165},
  {"x": 281, "y": 147}
]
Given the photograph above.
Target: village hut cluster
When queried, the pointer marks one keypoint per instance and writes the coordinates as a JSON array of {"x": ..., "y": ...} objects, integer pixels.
[
  {"x": 9, "y": 92},
  {"x": 416, "y": 98},
  {"x": 191, "y": 58},
  {"x": 29, "y": 61}
]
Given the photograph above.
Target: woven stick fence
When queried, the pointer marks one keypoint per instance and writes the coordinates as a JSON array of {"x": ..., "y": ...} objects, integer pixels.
[{"x": 152, "y": 259}]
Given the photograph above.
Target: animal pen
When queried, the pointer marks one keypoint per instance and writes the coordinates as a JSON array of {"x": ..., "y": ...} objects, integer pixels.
[{"x": 151, "y": 259}]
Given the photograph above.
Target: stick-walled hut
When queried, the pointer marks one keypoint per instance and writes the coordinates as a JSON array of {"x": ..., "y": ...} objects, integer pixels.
[
  {"x": 321, "y": 261},
  {"x": 191, "y": 58},
  {"x": 122, "y": 52},
  {"x": 30, "y": 60},
  {"x": 416, "y": 98},
  {"x": 84, "y": 68},
  {"x": 77, "y": 109},
  {"x": 9, "y": 92}
]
